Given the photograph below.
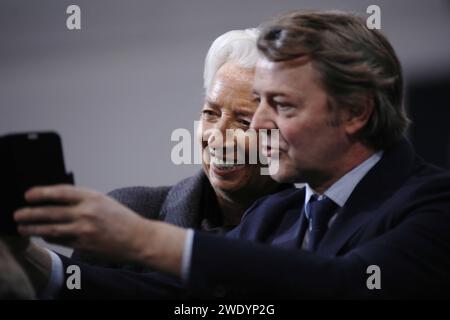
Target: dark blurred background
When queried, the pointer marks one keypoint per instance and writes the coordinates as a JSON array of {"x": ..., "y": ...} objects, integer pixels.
[
  {"x": 428, "y": 101},
  {"x": 117, "y": 89}
]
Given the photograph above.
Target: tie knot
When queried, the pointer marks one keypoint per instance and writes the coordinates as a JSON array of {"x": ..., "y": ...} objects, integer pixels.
[{"x": 320, "y": 207}]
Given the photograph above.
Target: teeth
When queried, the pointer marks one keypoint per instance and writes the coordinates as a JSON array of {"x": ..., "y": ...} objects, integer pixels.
[
  {"x": 220, "y": 161},
  {"x": 222, "y": 164}
]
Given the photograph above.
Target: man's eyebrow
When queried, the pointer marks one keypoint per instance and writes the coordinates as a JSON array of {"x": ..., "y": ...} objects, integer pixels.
[{"x": 272, "y": 94}]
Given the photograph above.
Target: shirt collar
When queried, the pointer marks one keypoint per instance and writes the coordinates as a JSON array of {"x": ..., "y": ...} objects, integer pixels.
[{"x": 341, "y": 190}]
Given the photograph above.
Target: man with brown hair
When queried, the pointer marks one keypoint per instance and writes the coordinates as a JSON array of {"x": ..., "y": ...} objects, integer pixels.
[{"x": 333, "y": 89}]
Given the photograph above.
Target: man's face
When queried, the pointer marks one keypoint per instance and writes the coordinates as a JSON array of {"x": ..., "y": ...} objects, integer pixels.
[{"x": 292, "y": 100}]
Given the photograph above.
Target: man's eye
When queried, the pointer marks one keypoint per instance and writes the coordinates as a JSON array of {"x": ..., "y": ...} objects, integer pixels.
[{"x": 283, "y": 107}]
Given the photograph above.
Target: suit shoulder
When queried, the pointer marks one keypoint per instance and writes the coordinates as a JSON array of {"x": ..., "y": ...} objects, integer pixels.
[
  {"x": 283, "y": 197},
  {"x": 430, "y": 176},
  {"x": 286, "y": 194},
  {"x": 427, "y": 187}
]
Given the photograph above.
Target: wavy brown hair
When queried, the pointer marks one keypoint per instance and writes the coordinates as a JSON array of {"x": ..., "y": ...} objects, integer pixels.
[{"x": 356, "y": 66}]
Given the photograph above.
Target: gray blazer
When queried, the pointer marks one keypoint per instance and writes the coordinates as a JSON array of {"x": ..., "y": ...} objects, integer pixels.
[{"x": 182, "y": 204}]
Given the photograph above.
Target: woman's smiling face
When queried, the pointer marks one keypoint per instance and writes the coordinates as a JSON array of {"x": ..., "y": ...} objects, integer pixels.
[{"x": 230, "y": 104}]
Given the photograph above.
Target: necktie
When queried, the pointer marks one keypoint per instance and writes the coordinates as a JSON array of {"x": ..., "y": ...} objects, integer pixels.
[{"x": 320, "y": 213}]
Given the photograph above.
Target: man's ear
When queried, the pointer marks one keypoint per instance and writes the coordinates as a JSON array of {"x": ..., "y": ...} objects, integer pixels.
[{"x": 356, "y": 117}]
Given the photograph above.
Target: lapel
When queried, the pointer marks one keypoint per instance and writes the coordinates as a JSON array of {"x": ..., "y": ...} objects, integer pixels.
[
  {"x": 291, "y": 230},
  {"x": 378, "y": 185},
  {"x": 303, "y": 227},
  {"x": 263, "y": 221}
]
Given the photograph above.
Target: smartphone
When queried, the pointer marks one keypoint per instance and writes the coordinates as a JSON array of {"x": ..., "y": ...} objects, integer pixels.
[{"x": 27, "y": 160}]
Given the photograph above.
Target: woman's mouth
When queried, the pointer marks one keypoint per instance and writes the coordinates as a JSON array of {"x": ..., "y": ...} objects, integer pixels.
[{"x": 221, "y": 167}]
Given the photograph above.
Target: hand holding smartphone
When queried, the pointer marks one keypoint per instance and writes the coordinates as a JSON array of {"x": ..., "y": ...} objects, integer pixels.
[{"x": 27, "y": 160}]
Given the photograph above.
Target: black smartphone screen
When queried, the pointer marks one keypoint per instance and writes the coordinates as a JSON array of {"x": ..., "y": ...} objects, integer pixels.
[{"x": 27, "y": 160}]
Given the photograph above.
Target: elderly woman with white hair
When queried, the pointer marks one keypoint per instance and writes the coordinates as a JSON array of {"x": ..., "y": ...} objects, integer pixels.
[{"x": 215, "y": 198}]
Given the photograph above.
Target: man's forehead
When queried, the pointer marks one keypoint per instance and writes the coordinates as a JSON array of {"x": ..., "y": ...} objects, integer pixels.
[
  {"x": 287, "y": 78},
  {"x": 264, "y": 63}
]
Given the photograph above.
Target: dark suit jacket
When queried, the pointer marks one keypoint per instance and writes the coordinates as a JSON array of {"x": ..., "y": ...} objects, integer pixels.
[{"x": 398, "y": 218}]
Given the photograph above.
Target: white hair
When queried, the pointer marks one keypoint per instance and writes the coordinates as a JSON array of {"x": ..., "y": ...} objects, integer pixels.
[{"x": 237, "y": 46}]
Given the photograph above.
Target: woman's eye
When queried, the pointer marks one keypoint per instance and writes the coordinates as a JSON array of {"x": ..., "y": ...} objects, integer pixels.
[
  {"x": 208, "y": 113},
  {"x": 244, "y": 122}
]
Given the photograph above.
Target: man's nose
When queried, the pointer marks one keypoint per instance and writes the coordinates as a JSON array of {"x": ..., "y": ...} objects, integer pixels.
[{"x": 264, "y": 117}]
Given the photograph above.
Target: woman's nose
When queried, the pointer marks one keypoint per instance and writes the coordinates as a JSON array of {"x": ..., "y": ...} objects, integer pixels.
[
  {"x": 221, "y": 136},
  {"x": 217, "y": 135},
  {"x": 223, "y": 125}
]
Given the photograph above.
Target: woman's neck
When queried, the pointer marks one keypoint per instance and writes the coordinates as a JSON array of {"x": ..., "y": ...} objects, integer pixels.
[{"x": 231, "y": 209}]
